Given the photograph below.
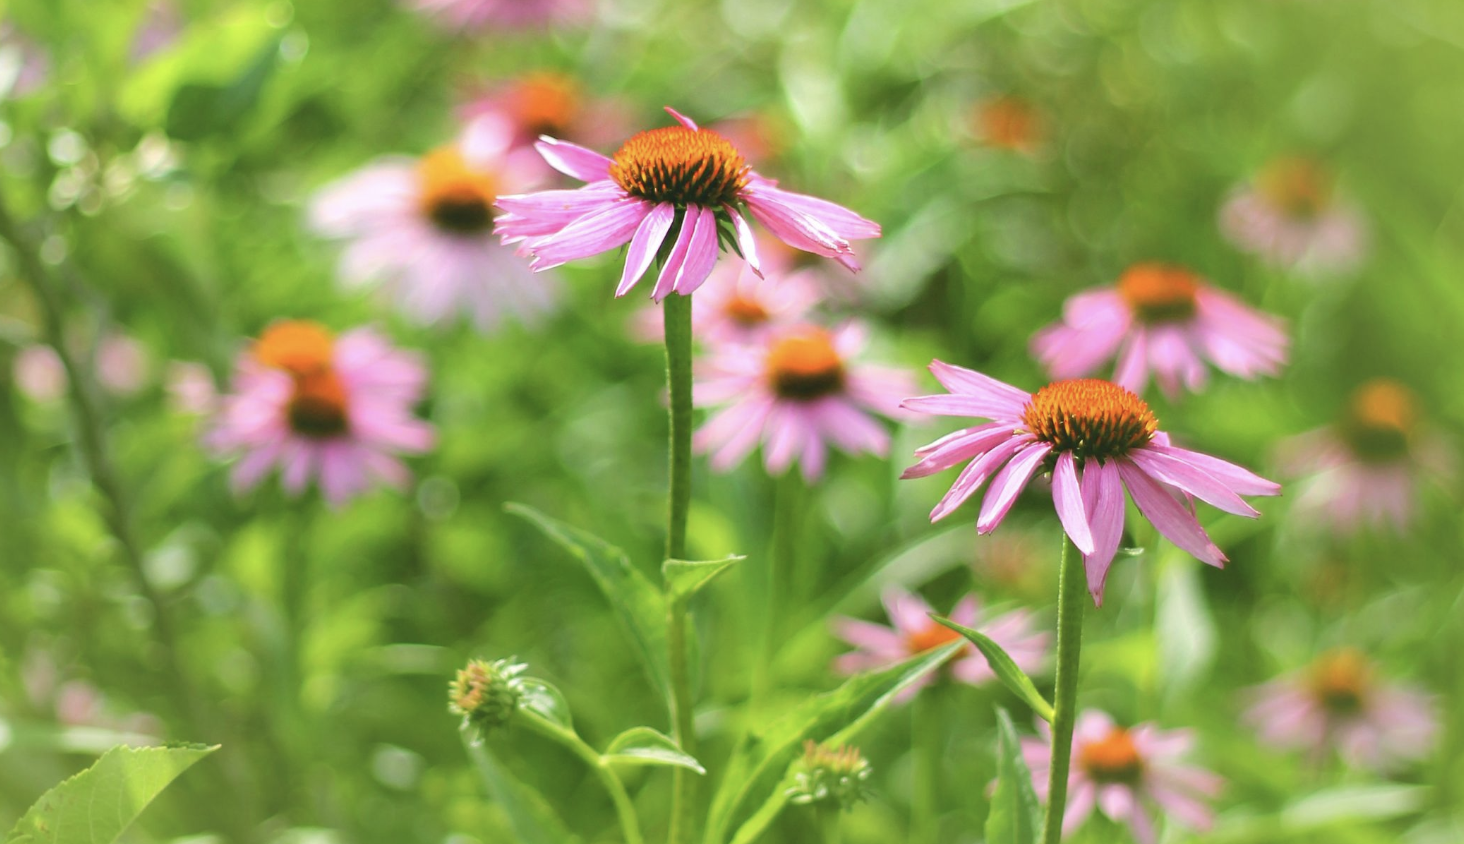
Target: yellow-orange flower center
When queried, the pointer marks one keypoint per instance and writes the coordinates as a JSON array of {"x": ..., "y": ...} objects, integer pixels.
[
  {"x": 455, "y": 196},
  {"x": 681, "y": 166},
  {"x": 1159, "y": 292},
  {"x": 299, "y": 347},
  {"x": 1090, "y": 418},
  {"x": 1300, "y": 187},
  {"x": 1341, "y": 680},
  {"x": 317, "y": 405},
  {"x": 932, "y": 635},
  {"x": 746, "y": 312},
  {"x": 1112, "y": 759},
  {"x": 1380, "y": 420},
  {"x": 1008, "y": 123},
  {"x": 545, "y": 103},
  {"x": 804, "y": 365}
]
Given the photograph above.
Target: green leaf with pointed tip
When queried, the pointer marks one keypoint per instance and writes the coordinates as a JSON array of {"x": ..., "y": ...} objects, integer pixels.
[
  {"x": 1015, "y": 816},
  {"x": 547, "y": 702},
  {"x": 638, "y": 604},
  {"x": 1006, "y": 669},
  {"x": 530, "y": 815},
  {"x": 685, "y": 578},
  {"x": 96, "y": 805},
  {"x": 645, "y": 746}
]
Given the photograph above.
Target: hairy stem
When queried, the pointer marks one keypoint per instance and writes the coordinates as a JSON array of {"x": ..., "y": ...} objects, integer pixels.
[
  {"x": 677, "y": 314},
  {"x": 1071, "y": 597}
]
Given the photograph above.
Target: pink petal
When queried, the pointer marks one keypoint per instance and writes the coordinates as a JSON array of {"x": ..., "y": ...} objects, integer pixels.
[
  {"x": 681, "y": 118},
  {"x": 701, "y": 252},
  {"x": 644, "y": 245},
  {"x": 666, "y": 281},
  {"x": 974, "y": 475},
  {"x": 1008, "y": 484},
  {"x": 574, "y": 160},
  {"x": 590, "y": 235},
  {"x": 1067, "y": 498},
  {"x": 1241, "y": 481},
  {"x": 745, "y": 241},
  {"x": 1193, "y": 480},
  {"x": 1103, "y": 500},
  {"x": 1168, "y": 516}
]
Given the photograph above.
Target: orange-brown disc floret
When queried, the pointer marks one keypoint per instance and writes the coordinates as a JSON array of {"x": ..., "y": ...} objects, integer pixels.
[
  {"x": 545, "y": 103},
  {"x": 747, "y": 313},
  {"x": 317, "y": 408},
  {"x": 457, "y": 198},
  {"x": 1159, "y": 292},
  {"x": 1381, "y": 419},
  {"x": 681, "y": 166},
  {"x": 1090, "y": 418},
  {"x": 1299, "y": 186},
  {"x": 1008, "y": 123},
  {"x": 1112, "y": 759},
  {"x": 1342, "y": 680},
  {"x": 303, "y": 349},
  {"x": 299, "y": 347},
  {"x": 932, "y": 635},
  {"x": 804, "y": 365}
]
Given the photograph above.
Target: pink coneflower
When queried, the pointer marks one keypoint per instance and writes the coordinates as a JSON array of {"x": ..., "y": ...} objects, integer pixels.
[
  {"x": 797, "y": 391},
  {"x": 1097, "y": 439},
  {"x": 677, "y": 177},
  {"x": 1124, "y": 772},
  {"x": 1290, "y": 216},
  {"x": 1008, "y": 122},
  {"x": 915, "y": 632},
  {"x": 317, "y": 405},
  {"x": 160, "y": 26},
  {"x": 121, "y": 366},
  {"x": 1366, "y": 468},
  {"x": 739, "y": 306},
  {"x": 1340, "y": 703},
  {"x": 423, "y": 229},
  {"x": 1164, "y": 319},
  {"x": 479, "y": 15},
  {"x": 548, "y": 103},
  {"x": 190, "y": 388}
]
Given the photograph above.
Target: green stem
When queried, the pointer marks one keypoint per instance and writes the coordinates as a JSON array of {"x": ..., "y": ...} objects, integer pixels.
[
  {"x": 677, "y": 314},
  {"x": 773, "y": 573},
  {"x": 624, "y": 808},
  {"x": 926, "y": 724},
  {"x": 828, "y": 821},
  {"x": 1072, "y": 594}
]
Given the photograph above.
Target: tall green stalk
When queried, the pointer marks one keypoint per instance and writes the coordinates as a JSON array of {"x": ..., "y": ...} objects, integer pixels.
[
  {"x": 624, "y": 808},
  {"x": 676, "y": 310},
  {"x": 1072, "y": 594}
]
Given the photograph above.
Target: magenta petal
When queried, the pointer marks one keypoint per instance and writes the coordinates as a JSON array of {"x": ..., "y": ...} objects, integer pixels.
[
  {"x": 745, "y": 241},
  {"x": 962, "y": 381},
  {"x": 1193, "y": 480},
  {"x": 974, "y": 475},
  {"x": 590, "y": 235},
  {"x": 1103, "y": 499},
  {"x": 701, "y": 252},
  {"x": 966, "y": 444},
  {"x": 644, "y": 245},
  {"x": 1239, "y": 480},
  {"x": 666, "y": 282},
  {"x": 1169, "y": 516},
  {"x": 681, "y": 118},
  {"x": 1067, "y": 498},
  {"x": 1008, "y": 484},
  {"x": 574, "y": 160}
]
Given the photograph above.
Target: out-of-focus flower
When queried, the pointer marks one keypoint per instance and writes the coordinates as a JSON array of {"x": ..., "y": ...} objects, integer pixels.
[
  {"x": 316, "y": 405},
  {"x": 1124, "y": 772},
  {"x": 160, "y": 26},
  {"x": 24, "y": 65},
  {"x": 122, "y": 367},
  {"x": 39, "y": 374},
  {"x": 914, "y": 632},
  {"x": 681, "y": 178},
  {"x": 759, "y": 136},
  {"x": 1290, "y": 216},
  {"x": 487, "y": 694},
  {"x": 1340, "y": 703},
  {"x": 1164, "y": 319},
  {"x": 830, "y": 774},
  {"x": 482, "y": 15},
  {"x": 1008, "y": 122},
  {"x": 1366, "y": 468},
  {"x": 797, "y": 391},
  {"x": 423, "y": 229},
  {"x": 191, "y": 389},
  {"x": 548, "y": 103},
  {"x": 739, "y": 306},
  {"x": 1097, "y": 439}
]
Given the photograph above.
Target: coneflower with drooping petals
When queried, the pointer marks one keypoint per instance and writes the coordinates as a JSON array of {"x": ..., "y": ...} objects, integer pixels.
[
  {"x": 1097, "y": 439},
  {"x": 1290, "y": 216}
]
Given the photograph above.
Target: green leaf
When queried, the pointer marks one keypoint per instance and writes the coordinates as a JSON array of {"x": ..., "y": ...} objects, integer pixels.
[
  {"x": 530, "y": 815},
  {"x": 761, "y": 763},
  {"x": 96, "y": 805},
  {"x": 638, "y": 604},
  {"x": 684, "y": 578},
  {"x": 198, "y": 111},
  {"x": 1006, "y": 670},
  {"x": 1016, "y": 816},
  {"x": 645, "y": 746},
  {"x": 546, "y": 701}
]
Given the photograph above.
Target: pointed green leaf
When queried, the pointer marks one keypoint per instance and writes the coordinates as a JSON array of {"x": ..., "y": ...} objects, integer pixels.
[
  {"x": 1015, "y": 815},
  {"x": 638, "y": 604},
  {"x": 532, "y": 819},
  {"x": 645, "y": 746},
  {"x": 1006, "y": 670},
  {"x": 685, "y": 578},
  {"x": 96, "y": 805},
  {"x": 547, "y": 702}
]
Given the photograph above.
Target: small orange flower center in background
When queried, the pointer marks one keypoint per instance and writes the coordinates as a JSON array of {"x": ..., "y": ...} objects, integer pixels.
[
  {"x": 804, "y": 365},
  {"x": 745, "y": 312},
  {"x": 1089, "y": 417},
  {"x": 457, "y": 198},
  {"x": 317, "y": 407},
  {"x": 932, "y": 635},
  {"x": 299, "y": 347},
  {"x": 545, "y": 103},
  {"x": 681, "y": 166},
  {"x": 1159, "y": 292},
  {"x": 1381, "y": 418},
  {"x": 1342, "y": 680},
  {"x": 1302, "y": 188},
  {"x": 1112, "y": 759},
  {"x": 1008, "y": 123}
]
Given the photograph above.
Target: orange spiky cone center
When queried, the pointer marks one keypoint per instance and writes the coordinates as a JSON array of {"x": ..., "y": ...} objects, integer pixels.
[
  {"x": 455, "y": 196},
  {"x": 1381, "y": 419},
  {"x": 1114, "y": 758},
  {"x": 1159, "y": 292},
  {"x": 1090, "y": 418},
  {"x": 681, "y": 166},
  {"x": 803, "y": 365},
  {"x": 318, "y": 404}
]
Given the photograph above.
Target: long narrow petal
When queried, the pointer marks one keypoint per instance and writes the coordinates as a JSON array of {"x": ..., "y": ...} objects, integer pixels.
[
  {"x": 745, "y": 241},
  {"x": 1007, "y": 485},
  {"x": 1169, "y": 516},
  {"x": 1241, "y": 481},
  {"x": 644, "y": 244},
  {"x": 590, "y": 235},
  {"x": 1193, "y": 480},
  {"x": 840, "y": 220},
  {"x": 1067, "y": 498},
  {"x": 1103, "y": 499},
  {"x": 573, "y": 159},
  {"x": 957, "y": 404},
  {"x": 701, "y": 252},
  {"x": 969, "y": 382},
  {"x": 973, "y": 476},
  {"x": 966, "y": 444},
  {"x": 681, "y": 118},
  {"x": 666, "y": 281}
]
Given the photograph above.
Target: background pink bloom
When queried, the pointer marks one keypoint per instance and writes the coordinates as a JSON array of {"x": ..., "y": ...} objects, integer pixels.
[
  {"x": 1290, "y": 217},
  {"x": 548, "y": 103},
  {"x": 487, "y": 14},
  {"x": 24, "y": 65},
  {"x": 739, "y": 306}
]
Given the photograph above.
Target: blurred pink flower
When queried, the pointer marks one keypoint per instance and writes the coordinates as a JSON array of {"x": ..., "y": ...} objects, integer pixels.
[
  {"x": 422, "y": 228},
  {"x": 1289, "y": 216},
  {"x": 739, "y": 306},
  {"x": 1166, "y": 319},
  {"x": 796, "y": 391},
  {"x": 915, "y": 632},
  {"x": 191, "y": 389},
  {"x": 676, "y": 177},
  {"x": 548, "y": 103},
  {"x": 316, "y": 405},
  {"x": 123, "y": 365},
  {"x": 39, "y": 374},
  {"x": 160, "y": 26},
  {"x": 1123, "y": 772},
  {"x": 485, "y": 15},
  {"x": 1094, "y": 426},
  {"x": 1340, "y": 703},
  {"x": 1366, "y": 469},
  {"x": 24, "y": 65}
]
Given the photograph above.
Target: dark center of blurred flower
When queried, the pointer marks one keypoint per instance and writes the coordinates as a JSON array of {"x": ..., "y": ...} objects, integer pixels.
[
  {"x": 1090, "y": 418},
  {"x": 1341, "y": 681},
  {"x": 681, "y": 166},
  {"x": 746, "y": 312},
  {"x": 804, "y": 365},
  {"x": 299, "y": 347},
  {"x": 932, "y": 635},
  {"x": 1113, "y": 759},
  {"x": 545, "y": 104},
  {"x": 1007, "y": 123},
  {"x": 455, "y": 197},
  {"x": 1380, "y": 420},
  {"x": 317, "y": 408},
  {"x": 1159, "y": 292},
  {"x": 1300, "y": 187}
]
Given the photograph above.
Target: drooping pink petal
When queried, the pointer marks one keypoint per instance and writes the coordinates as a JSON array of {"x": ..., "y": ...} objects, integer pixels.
[
  {"x": 974, "y": 475},
  {"x": 574, "y": 160},
  {"x": 1067, "y": 498},
  {"x": 963, "y": 445},
  {"x": 745, "y": 241},
  {"x": 1103, "y": 500},
  {"x": 590, "y": 235},
  {"x": 1007, "y": 485},
  {"x": 1193, "y": 480},
  {"x": 701, "y": 252},
  {"x": 1241, "y": 481},
  {"x": 644, "y": 244},
  {"x": 1169, "y": 517}
]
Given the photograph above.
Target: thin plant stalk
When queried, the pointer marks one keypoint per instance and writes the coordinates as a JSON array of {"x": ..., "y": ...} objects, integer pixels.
[
  {"x": 624, "y": 808},
  {"x": 929, "y": 742},
  {"x": 773, "y": 574},
  {"x": 676, "y": 310},
  {"x": 1071, "y": 598},
  {"x": 829, "y": 813}
]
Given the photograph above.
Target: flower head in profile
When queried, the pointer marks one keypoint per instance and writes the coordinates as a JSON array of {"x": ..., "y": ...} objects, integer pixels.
[
  {"x": 678, "y": 190},
  {"x": 1162, "y": 319},
  {"x": 1097, "y": 439},
  {"x": 914, "y": 632},
  {"x": 334, "y": 408},
  {"x": 835, "y": 775},
  {"x": 797, "y": 391},
  {"x": 487, "y": 694},
  {"x": 1339, "y": 703},
  {"x": 483, "y": 15},
  {"x": 1365, "y": 470},
  {"x": 1128, "y": 774},
  {"x": 1291, "y": 217},
  {"x": 1008, "y": 122},
  {"x": 422, "y": 229}
]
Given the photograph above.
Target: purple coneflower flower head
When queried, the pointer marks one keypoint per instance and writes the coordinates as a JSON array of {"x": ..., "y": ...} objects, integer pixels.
[
  {"x": 336, "y": 409},
  {"x": 670, "y": 190},
  {"x": 1339, "y": 703},
  {"x": 1128, "y": 774},
  {"x": 913, "y": 632},
  {"x": 423, "y": 230},
  {"x": 482, "y": 15},
  {"x": 548, "y": 103},
  {"x": 1097, "y": 439},
  {"x": 797, "y": 391},
  {"x": 1291, "y": 217},
  {"x": 1161, "y": 319}
]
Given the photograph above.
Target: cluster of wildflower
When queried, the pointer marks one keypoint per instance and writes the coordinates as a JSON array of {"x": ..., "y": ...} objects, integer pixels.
[
  {"x": 835, "y": 775},
  {"x": 486, "y": 694}
]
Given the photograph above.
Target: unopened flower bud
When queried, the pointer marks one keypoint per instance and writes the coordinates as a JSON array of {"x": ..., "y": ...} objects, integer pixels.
[
  {"x": 486, "y": 694},
  {"x": 830, "y": 774}
]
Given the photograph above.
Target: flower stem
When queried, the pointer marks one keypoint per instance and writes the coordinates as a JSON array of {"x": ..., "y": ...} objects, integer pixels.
[
  {"x": 624, "y": 808},
  {"x": 676, "y": 309},
  {"x": 929, "y": 744},
  {"x": 828, "y": 821},
  {"x": 1071, "y": 597}
]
